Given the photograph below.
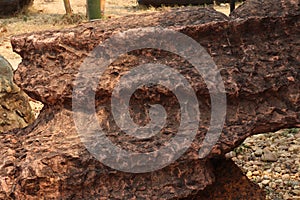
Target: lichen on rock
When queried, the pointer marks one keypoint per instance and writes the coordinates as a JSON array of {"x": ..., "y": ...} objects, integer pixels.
[{"x": 15, "y": 111}]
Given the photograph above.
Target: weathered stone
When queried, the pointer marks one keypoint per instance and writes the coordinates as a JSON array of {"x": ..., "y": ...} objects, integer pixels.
[
  {"x": 259, "y": 61},
  {"x": 231, "y": 154},
  {"x": 15, "y": 111},
  {"x": 286, "y": 177},
  {"x": 258, "y": 152},
  {"x": 230, "y": 183},
  {"x": 268, "y": 156},
  {"x": 265, "y": 182}
]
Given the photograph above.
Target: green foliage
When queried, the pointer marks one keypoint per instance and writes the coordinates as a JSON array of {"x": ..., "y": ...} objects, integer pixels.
[
  {"x": 292, "y": 131},
  {"x": 242, "y": 148}
]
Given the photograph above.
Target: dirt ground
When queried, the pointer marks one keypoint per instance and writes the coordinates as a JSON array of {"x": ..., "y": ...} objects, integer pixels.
[{"x": 49, "y": 14}]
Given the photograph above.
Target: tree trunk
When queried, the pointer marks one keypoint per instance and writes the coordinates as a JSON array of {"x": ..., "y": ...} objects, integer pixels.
[
  {"x": 102, "y": 7},
  {"x": 95, "y": 9},
  {"x": 68, "y": 7}
]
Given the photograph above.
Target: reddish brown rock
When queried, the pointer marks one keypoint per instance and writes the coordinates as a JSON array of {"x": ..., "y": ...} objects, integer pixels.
[
  {"x": 259, "y": 62},
  {"x": 48, "y": 160},
  {"x": 230, "y": 183}
]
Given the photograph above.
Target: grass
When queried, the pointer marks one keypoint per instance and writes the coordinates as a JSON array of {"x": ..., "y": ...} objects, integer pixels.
[
  {"x": 242, "y": 148},
  {"x": 291, "y": 131}
]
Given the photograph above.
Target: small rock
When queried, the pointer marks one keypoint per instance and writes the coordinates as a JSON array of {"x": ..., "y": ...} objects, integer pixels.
[
  {"x": 256, "y": 173},
  {"x": 258, "y": 152},
  {"x": 294, "y": 148},
  {"x": 231, "y": 154},
  {"x": 277, "y": 169},
  {"x": 255, "y": 163},
  {"x": 286, "y": 197},
  {"x": 265, "y": 182},
  {"x": 258, "y": 179},
  {"x": 234, "y": 159},
  {"x": 283, "y": 147},
  {"x": 272, "y": 185},
  {"x": 266, "y": 177},
  {"x": 285, "y": 176},
  {"x": 267, "y": 167},
  {"x": 286, "y": 182},
  {"x": 251, "y": 168},
  {"x": 296, "y": 192},
  {"x": 283, "y": 167},
  {"x": 268, "y": 156},
  {"x": 249, "y": 174},
  {"x": 278, "y": 181},
  {"x": 268, "y": 171}
]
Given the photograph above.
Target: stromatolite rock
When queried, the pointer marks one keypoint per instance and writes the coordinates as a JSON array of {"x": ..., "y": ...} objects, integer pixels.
[
  {"x": 15, "y": 111},
  {"x": 258, "y": 57}
]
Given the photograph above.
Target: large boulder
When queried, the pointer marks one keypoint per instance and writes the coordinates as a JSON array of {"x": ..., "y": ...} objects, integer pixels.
[{"x": 258, "y": 57}]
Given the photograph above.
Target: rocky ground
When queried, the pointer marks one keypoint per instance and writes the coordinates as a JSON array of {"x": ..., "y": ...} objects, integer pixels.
[{"x": 273, "y": 161}]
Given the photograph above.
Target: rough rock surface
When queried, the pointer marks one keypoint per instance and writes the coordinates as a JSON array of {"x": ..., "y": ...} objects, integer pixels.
[
  {"x": 258, "y": 57},
  {"x": 230, "y": 183},
  {"x": 15, "y": 111}
]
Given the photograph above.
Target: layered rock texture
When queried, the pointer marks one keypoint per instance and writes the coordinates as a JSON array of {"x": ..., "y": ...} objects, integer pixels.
[
  {"x": 15, "y": 111},
  {"x": 257, "y": 53}
]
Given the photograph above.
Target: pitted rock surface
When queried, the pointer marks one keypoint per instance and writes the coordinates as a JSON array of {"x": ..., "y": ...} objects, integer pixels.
[{"x": 259, "y": 61}]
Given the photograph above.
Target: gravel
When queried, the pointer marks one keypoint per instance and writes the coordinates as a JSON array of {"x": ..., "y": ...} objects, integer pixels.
[{"x": 272, "y": 160}]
